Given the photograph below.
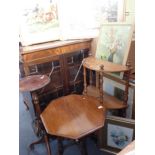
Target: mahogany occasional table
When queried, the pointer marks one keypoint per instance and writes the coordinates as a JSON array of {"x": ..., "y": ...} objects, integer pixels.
[
  {"x": 32, "y": 84},
  {"x": 73, "y": 117}
]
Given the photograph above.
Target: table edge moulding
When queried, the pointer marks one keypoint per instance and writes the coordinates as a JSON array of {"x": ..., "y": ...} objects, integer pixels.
[{"x": 80, "y": 112}]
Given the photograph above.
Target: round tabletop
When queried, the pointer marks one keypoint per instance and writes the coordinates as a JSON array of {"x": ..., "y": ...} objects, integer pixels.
[
  {"x": 33, "y": 82},
  {"x": 95, "y": 64}
]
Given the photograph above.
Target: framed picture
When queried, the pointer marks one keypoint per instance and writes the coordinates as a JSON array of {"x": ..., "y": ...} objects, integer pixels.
[
  {"x": 114, "y": 43},
  {"x": 39, "y": 22},
  {"x": 116, "y": 89},
  {"x": 117, "y": 133}
]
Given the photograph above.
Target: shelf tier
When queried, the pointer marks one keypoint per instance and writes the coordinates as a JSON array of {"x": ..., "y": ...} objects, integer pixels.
[
  {"x": 110, "y": 102},
  {"x": 95, "y": 64}
]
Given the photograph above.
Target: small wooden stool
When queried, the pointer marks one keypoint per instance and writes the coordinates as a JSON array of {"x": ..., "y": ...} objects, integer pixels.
[
  {"x": 73, "y": 117},
  {"x": 32, "y": 84}
]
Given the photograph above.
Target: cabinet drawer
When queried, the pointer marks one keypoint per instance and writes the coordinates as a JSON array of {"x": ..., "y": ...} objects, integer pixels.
[{"x": 41, "y": 56}]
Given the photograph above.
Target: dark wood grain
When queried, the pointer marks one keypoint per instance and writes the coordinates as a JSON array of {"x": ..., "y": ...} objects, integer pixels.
[
  {"x": 42, "y": 53},
  {"x": 36, "y": 57},
  {"x": 109, "y": 102},
  {"x": 33, "y": 82},
  {"x": 52, "y": 45},
  {"x": 73, "y": 116},
  {"x": 101, "y": 67}
]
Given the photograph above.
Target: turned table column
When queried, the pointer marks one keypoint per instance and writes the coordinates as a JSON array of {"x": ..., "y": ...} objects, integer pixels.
[{"x": 32, "y": 84}]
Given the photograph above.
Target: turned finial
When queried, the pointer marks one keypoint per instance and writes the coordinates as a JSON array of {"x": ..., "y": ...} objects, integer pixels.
[{"x": 102, "y": 67}]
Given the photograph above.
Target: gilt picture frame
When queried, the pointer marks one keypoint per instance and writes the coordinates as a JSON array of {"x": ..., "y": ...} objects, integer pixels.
[
  {"x": 117, "y": 133},
  {"x": 114, "y": 43}
]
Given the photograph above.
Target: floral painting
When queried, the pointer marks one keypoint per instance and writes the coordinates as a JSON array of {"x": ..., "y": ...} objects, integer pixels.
[
  {"x": 114, "y": 42},
  {"x": 117, "y": 133},
  {"x": 118, "y": 136}
]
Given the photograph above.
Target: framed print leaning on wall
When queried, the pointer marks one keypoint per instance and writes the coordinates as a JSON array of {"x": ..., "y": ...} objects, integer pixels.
[
  {"x": 117, "y": 133},
  {"x": 114, "y": 42},
  {"x": 39, "y": 22}
]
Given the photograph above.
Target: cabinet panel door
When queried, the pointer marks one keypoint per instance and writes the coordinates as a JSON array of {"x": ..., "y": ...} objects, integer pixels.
[{"x": 75, "y": 71}]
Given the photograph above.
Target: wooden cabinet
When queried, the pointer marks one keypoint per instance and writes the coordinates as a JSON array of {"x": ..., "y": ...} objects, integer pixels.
[{"x": 61, "y": 61}]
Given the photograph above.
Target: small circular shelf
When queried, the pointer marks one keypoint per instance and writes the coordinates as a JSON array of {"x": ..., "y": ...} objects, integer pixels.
[{"x": 33, "y": 82}]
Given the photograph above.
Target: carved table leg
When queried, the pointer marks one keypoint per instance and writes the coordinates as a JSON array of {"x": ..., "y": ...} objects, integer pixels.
[
  {"x": 38, "y": 112},
  {"x": 47, "y": 145},
  {"x": 44, "y": 138},
  {"x": 82, "y": 146},
  {"x": 98, "y": 134},
  {"x": 36, "y": 103},
  {"x": 31, "y": 146},
  {"x": 60, "y": 146}
]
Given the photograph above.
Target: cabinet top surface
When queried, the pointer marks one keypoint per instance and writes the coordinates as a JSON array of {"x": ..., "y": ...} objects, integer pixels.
[
  {"x": 73, "y": 116},
  {"x": 43, "y": 46},
  {"x": 95, "y": 64}
]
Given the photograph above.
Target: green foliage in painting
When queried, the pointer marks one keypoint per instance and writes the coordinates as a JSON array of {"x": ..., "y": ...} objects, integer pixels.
[{"x": 112, "y": 43}]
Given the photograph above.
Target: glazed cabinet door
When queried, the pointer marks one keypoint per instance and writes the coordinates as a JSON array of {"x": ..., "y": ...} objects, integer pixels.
[{"x": 74, "y": 70}]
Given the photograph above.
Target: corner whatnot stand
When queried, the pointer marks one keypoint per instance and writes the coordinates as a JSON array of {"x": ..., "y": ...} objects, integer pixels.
[{"x": 102, "y": 68}]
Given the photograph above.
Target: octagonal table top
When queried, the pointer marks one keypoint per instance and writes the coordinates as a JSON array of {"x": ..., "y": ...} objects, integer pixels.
[
  {"x": 33, "y": 82},
  {"x": 73, "y": 116}
]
